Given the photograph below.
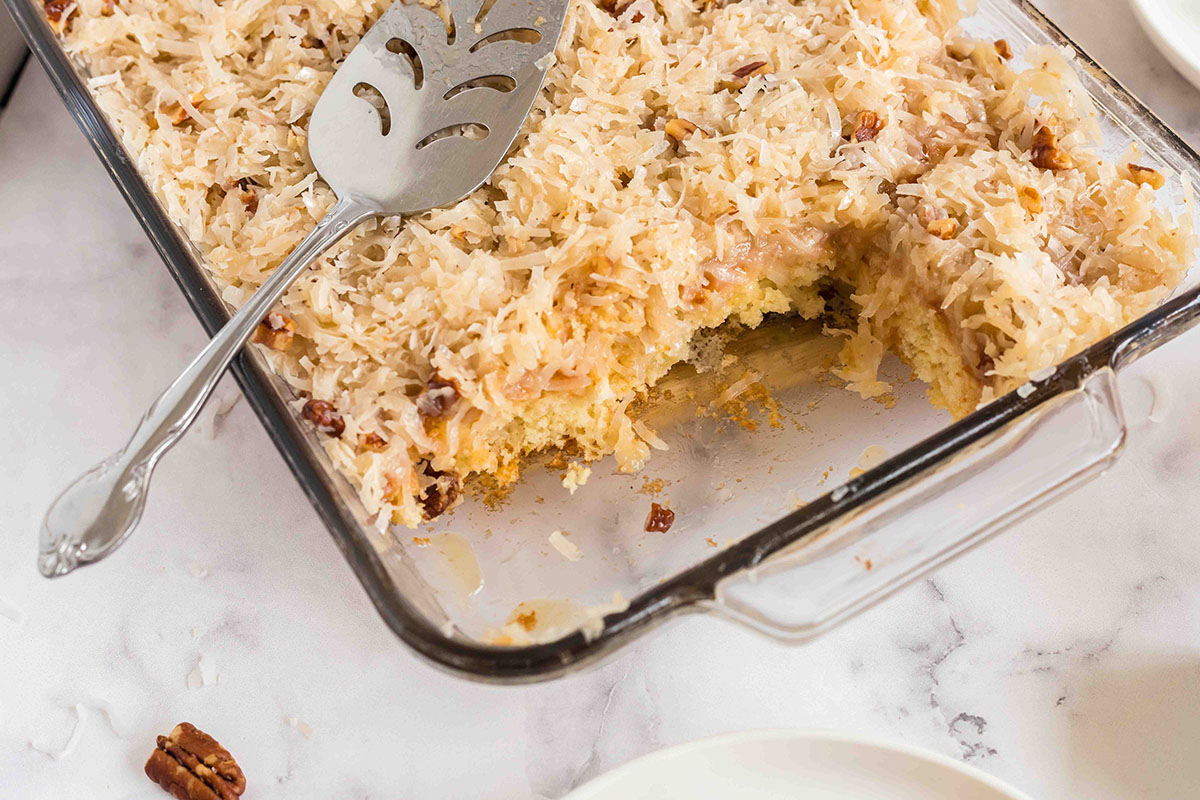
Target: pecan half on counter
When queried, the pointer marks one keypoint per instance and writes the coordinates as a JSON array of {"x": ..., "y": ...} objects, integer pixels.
[{"x": 191, "y": 765}]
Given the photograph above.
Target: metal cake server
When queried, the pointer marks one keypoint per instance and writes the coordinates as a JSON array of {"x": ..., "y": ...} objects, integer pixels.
[{"x": 420, "y": 114}]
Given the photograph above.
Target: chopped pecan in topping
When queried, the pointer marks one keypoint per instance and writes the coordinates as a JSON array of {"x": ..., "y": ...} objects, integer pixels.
[
  {"x": 191, "y": 765},
  {"x": 867, "y": 126},
  {"x": 438, "y": 398},
  {"x": 1045, "y": 152},
  {"x": 959, "y": 48},
  {"x": 247, "y": 194},
  {"x": 371, "y": 442},
  {"x": 618, "y": 7},
  {"x": 660, "y": 519},
  {"x": 743, "y": 74},
  {"x": 680, "y": 129},
  {"x": 1002, "y": 49},
  {"x": 108, "y": 8},
  {"x": 276, "y": 331},
  {"x": 751, "y": 69},
  {"x": 1030, "y": 199},
  {"x": 1145, "y": 175},
  {"x": 942, "y": 228},
  {"x": 324, "y": 417},
  {"x": 441, "y": 494},
  {"x": 180, "y": 114},
  {"x": 57, "y": 14}
]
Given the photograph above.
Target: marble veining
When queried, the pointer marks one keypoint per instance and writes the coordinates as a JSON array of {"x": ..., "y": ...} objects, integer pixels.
[{"x": 1063, "y": 656}]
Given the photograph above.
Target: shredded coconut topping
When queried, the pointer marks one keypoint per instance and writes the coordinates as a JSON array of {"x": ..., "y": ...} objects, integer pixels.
[{"x": 685, "y": 165}]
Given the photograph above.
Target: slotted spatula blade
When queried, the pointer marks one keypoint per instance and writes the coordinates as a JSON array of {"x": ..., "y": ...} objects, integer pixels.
[{"x": 427, "y": 104}]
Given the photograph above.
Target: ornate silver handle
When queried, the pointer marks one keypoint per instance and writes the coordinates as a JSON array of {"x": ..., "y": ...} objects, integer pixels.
[{"x": 96, "y": 513}]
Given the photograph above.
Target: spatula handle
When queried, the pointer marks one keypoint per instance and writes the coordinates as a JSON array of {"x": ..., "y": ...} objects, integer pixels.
[{"x": 100, "y": 508}]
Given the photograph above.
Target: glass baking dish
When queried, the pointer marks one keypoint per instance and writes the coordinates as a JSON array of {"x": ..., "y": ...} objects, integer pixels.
[{"x": 770, "y": 532}]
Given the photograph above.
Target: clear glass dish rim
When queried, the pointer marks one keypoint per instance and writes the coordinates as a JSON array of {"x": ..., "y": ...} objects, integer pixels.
[{"x": 683, "y": 591}]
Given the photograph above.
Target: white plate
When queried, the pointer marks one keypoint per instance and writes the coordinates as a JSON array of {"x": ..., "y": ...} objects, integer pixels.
[
  {"x": 813, "y": 765},
  {"x": 1174, "y": 27}
]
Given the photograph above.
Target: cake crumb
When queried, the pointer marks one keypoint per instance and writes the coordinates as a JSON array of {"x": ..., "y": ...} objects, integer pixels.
[
  {"x": 575, "y": 476},
  {"x": 653, "y": 487}
]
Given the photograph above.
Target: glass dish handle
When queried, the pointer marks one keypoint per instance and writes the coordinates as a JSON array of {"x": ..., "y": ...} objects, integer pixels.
[{"x": 798, "y": 594}]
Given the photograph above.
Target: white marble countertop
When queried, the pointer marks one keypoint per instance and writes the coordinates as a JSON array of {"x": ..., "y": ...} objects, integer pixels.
[{"x": 1064, "y": 656}]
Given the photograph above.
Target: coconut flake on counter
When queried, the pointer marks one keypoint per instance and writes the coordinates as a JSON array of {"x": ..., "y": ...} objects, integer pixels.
[
  {"x": 301, "y": 727},
  {"x": 11, "y": 613},
  {"x": 203, "y": 674}
]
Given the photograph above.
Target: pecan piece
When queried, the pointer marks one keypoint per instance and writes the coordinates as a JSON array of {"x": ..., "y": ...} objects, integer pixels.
[
  {"x": 743, "y": 74},
  {"x": 942, "y": 228},
  {"x": 619, "y": 7},
  {"x": 191, "y": 765},
  {"x": 1145, "y": 175},
  {"x": 324, "y": 417},
  {"x": 108, "y": 8},
  {"x": 659, "y": 519},
  {"x": 371, "y": 442},
  {"x": 1045, "y": 153},
  {"x": 440, "y": 495},
  {"x": 55, "y": 10},
  {"x": 680, "y": 129},
  {"x": 867, "y": 126},
  {"x": 247, "y": 194},
  {"x": 1002, "y": 49},
  {"x": 438, "y": 398},
  {"x": 276, "y": 331}
]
